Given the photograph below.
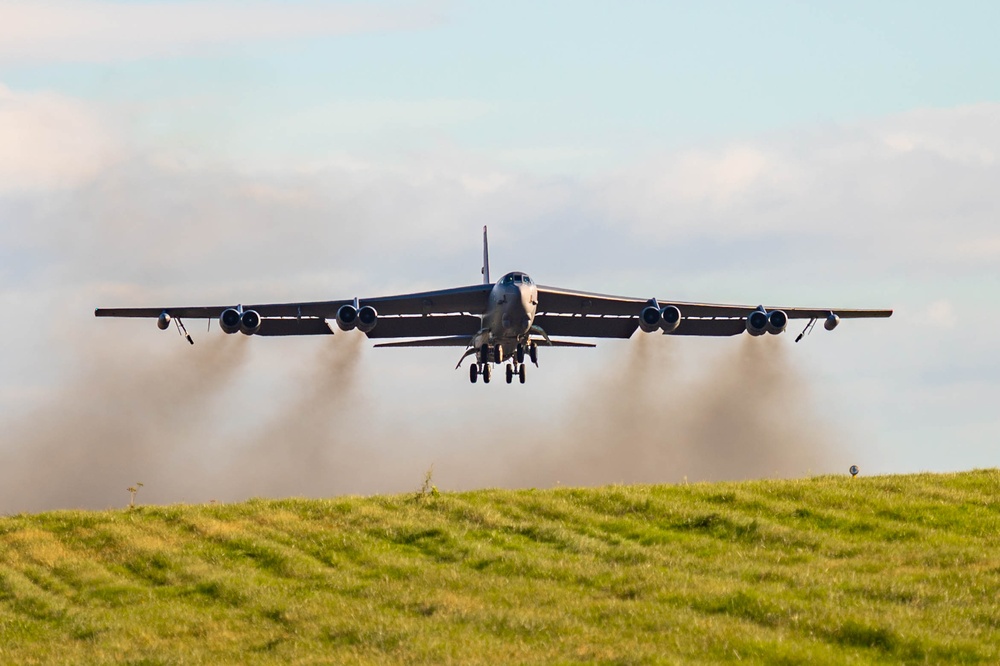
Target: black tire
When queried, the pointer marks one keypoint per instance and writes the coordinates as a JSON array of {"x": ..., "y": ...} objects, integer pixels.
[
  {"x": 520, "y": 373},
  {"x": 473, "y": 373},
  {"x": 487, "y": 373},
  {"x": 533, "y": 353},
  {"x": 498, "y": 353},
  {"x": 484, "y": 353},
  {"x": 510, "y": 373},
  {"x": 520, "y": 354}
]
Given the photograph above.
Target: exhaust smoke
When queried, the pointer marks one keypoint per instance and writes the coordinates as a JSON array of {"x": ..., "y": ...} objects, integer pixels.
[{"x": 123, "y": 417}]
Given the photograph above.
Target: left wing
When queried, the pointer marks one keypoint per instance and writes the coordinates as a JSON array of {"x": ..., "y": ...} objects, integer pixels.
[{"x": 586, "y": 314}]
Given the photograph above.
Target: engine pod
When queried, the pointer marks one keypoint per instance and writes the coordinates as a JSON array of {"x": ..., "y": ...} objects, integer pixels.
[
  {"x": 229, "y": 320},
  {"x": 649, "y": 319},
  {"x": 163, "y": 321},
  {"x": 367, "y": 318},
  {"x": 757, "y": 323},
  {"x": 777, "y": 320},
  {"x": 250, "y": 322},
  {"x": 347, "y": 317},
  {"x": 670, "y": 318}
]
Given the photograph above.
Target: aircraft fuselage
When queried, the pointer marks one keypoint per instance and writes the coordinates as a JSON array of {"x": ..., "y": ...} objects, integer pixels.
[{"x": 510, "y": 313}]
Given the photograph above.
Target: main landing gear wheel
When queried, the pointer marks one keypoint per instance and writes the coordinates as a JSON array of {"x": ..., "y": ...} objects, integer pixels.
[
  {"x": 520, "y": 373},
  {"x": 498, "y": 354},
  {"x": 533, "y": 353},
  {"x": 520, "y": 354},
  {"x": 487, "y": 372},
  {"x": 510, "y": 373},
  {"x": 473, "y": 373}
]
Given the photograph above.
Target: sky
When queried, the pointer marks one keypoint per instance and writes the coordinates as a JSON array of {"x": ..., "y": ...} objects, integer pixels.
[{"x": 180, "y": 152}]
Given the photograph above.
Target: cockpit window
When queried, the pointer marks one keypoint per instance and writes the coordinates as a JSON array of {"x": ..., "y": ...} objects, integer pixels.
[{"x": 515, "y": 278}]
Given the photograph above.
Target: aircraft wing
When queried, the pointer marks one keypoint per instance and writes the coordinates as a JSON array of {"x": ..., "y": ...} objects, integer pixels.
[
  {"x": 444, "y": 312},
  {"x": 462, "y": 299},
  {"x": 588, "y": 326},
  {"x": 587, "y": 314}
]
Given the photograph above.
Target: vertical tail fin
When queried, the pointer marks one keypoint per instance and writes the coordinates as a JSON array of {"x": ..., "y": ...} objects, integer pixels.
[{"x": 486, "y": 259}]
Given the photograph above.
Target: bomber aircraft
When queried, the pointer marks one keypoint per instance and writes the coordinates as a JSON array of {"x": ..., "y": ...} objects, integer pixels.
[{"x": 500, "y": 323}]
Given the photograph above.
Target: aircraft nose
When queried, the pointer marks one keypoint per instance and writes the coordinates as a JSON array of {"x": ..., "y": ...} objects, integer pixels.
[{"x": 526, "y": 298}]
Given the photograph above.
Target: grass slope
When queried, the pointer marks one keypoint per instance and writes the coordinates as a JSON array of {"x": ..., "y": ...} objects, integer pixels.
[{"x": 822, "y": 570}]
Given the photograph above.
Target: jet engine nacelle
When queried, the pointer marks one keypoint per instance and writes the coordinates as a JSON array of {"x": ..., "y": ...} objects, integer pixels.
[
  {"x": 667, "y": 318},
  {"x": 229, "y": 320},
  {"x": 347, "y": 317},
  {"x": 163, "y": 321},
  {"x": 757, "y": 323},
  {"x": 649, "y": 319},
  {"x": 670, "y": 318},
  {"x": 760, "y": 322},
  {"x": 249, "y": 322},
  {"x": 831, "y": 322},
  {"x": 367, "y": 318},
  {"x": 777, "y": 320}
]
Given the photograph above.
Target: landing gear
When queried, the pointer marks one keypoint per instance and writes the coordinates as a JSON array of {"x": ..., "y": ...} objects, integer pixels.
[
  {"x": 490, "y": 354},
  {"x": 515, "y": 370}
]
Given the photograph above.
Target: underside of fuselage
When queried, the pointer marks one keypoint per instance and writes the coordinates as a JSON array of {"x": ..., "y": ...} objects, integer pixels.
[{"x": 507, "y": 329}]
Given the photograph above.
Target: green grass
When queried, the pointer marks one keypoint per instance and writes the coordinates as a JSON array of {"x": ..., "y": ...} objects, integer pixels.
[{"x": 898, "y": 569}]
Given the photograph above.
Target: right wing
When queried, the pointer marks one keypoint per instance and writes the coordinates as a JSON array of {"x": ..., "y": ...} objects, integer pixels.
[
  {"x": 445, "y": 312},
  {"x": 462, "y": 299}
]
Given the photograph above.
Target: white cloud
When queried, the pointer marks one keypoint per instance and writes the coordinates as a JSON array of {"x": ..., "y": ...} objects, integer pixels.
[
  {"x": 100, "y": 30},
  {"x": 369, "y": 115},
  {"x": 919, "y": 186},
  {"x": 50, "y": 141},
  {"x": 965, "y": 134}
]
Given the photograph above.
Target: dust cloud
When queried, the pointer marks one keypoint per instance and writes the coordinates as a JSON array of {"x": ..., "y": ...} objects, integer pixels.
[
  {"x": 311, "y": 445},
  {"x": 652, "y": 418},
  {"x": 124, "y": 417}
]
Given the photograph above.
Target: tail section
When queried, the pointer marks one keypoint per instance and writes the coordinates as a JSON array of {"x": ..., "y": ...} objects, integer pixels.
[{"x": 486, "y": 259}]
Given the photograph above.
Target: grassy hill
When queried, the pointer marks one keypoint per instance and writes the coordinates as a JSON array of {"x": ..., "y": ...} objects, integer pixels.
[{"x": 821, "y": 570}]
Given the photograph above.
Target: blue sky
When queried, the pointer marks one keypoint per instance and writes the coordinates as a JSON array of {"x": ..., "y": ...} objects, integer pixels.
[
  {"x": 802, "y": 153},
  {"x": 613, "y": 80}
]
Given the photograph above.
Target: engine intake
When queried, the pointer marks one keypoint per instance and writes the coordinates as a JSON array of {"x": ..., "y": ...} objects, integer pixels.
[
  {"x": 670, "y": 318},
  {"x": 367, "y": 318},
  {"x": 831, "y": 322},
  {"x": 649, "y": 319},
  {"x": 250, "y": 322},
  {"x": 229, "y": 320},
  {"x": 777, "y": 320},
  {"x": 163, "y": 321},
  {"x": 347, "y": 317},
  {"x": 757, "y": 323}
]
